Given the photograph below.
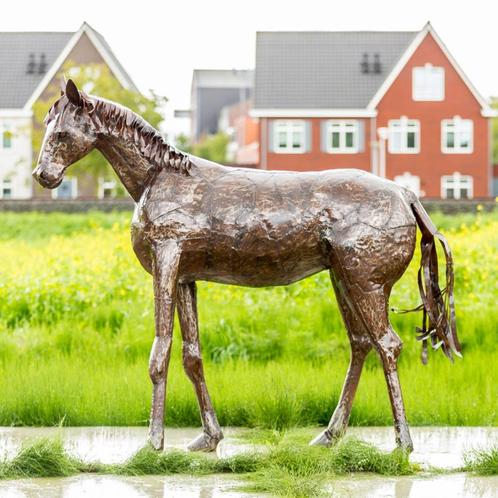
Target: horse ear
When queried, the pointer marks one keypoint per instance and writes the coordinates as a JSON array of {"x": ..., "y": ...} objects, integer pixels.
[{"x": 72, "y": 93}]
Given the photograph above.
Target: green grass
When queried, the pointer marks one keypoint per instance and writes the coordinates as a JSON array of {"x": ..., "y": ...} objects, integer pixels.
[
  {"x": 110, "y": 391},
  {"x": 76, "y": 327},
  {"x": 482, "y": 461},
  {"x": 299, "y": 470},
  {"x": 43, "y": 458}
]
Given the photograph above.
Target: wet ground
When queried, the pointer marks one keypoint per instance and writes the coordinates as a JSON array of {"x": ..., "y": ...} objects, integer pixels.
[{"x": 441, "y": 447}]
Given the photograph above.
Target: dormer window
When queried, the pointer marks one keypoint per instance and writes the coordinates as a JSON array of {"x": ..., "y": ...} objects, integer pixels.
[{"x": 428, "y": 83}]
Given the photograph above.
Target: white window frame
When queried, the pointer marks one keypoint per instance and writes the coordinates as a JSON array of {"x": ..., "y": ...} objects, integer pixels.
[
  {"x": 106, "y": 184},
  {"x": 403, "y": 126},
  {"x": 289, "y": 127},
  {"x": 456, "y": 182},
  {"x": 74, "y": 189},
  {"x": 457, "y": 126},
  {"x": 424, "y": 80},
  {"x": 342, "y": 127},
  {"x": 7, "y": 182}
]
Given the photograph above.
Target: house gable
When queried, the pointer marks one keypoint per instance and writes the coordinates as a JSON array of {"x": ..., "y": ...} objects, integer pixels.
[
  {"x": 428, "y": 44},
  {"x": 430, "y": 162},
  {"x": 85, "y": 46}
]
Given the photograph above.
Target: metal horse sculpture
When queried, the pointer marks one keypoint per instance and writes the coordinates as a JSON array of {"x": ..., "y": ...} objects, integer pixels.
[{"x": 198, "y": 220}]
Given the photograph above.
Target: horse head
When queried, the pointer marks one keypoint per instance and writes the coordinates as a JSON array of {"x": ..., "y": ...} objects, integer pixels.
[{"x": 70, "y": 135}]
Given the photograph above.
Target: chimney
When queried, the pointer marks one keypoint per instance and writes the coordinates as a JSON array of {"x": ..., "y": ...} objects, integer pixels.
[
  {"x": 364, "y": 64},
  {"x": 377, "y": 67},
  {"x": 30, "y": 69},
  {"x": 42, "y": 66}
]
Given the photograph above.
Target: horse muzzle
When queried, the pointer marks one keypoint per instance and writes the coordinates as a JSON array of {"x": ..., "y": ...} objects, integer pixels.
[{"x": 49, "y": 175}]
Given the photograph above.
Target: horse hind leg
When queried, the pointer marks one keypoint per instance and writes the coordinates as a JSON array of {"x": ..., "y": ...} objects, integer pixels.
[
  {"x": 371, "y": 307},
  {"x": 360, "y": 347}
]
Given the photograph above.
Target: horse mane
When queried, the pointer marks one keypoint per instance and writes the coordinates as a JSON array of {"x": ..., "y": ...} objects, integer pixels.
[{"x": 116, "y": 119}]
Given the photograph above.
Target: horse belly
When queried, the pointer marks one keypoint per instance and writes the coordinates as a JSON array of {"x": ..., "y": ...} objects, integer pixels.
[{"x": 257, "y": 262}]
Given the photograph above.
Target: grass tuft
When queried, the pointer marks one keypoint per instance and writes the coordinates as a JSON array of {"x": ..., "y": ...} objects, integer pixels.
[
  {"x": 148, "y": 461},
  {"x": 353, "y": 455},
  {"x": 300, "y": 470},
  {"x": 482, "y": 461},
  {"x": 43, "y": 458}
]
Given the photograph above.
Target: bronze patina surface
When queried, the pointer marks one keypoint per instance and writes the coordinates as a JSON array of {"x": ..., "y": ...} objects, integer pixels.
[{"x": 198, "y": 220}]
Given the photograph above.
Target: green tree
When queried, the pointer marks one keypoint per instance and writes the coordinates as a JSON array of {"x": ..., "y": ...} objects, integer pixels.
[
  {"x": 182, "y": 143},
  {"x": 96, "y": 79},
  {"x": 212, "y": 147}
]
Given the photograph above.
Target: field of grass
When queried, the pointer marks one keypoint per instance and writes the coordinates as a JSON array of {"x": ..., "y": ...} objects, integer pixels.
[{"x": 76, "y": 327}]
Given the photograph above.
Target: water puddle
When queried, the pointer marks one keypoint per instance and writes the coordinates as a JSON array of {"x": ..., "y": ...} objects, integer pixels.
[
  {"x": 454, "y": 486},
  {"x": 441, "y": 447}
]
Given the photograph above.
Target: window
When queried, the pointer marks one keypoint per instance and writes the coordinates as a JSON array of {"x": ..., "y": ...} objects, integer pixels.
[
  {"x": 342, "y": 137},
  {"x": 68, "y": 189},
  {"x": 428, "y": 83},
  {"x": 7, "y": 139},
  {"x": 457, "y": 136},
  {"x": 456, "y": 186},
  {"x": 6, "y": 189},
  {"x": 107, "y": 189},
  {"x": 409, "y": 181},
  {"x": 289, "y": 136},
  {"x": 404, "y": 136}
]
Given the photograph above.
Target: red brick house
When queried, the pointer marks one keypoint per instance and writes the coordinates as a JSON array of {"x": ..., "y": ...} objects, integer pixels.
[{"x": 393, "y": 103}]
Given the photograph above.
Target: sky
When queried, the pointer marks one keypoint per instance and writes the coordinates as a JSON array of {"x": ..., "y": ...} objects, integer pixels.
[{"x": 161, "y": 42}]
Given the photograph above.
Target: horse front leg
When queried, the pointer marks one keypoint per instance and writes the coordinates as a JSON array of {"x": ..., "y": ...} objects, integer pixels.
[
  {"x": 192, "y": 363},
  {"x": 166, "y": 256}
]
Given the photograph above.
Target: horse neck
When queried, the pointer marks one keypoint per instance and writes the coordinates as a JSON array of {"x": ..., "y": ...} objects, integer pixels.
[{"x": 129, "y": 164}]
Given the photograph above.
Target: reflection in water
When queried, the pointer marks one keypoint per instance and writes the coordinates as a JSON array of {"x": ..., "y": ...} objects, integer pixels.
[
  {"x": 454, "y": 486},
  {"x": 123, "y": 487},
  {"x": 403, "y": 488},
  {"x": 358, "y": 486},
  {"x": 437, "y": 446}
]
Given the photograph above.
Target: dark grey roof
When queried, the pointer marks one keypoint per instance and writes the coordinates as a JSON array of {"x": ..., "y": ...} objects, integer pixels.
[
  {"x": 321, "y": 70},
  {"x": 16, "y": 86}
]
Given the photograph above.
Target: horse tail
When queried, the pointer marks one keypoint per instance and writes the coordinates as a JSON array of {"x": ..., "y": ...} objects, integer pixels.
[{"x": 438, "y": 323}]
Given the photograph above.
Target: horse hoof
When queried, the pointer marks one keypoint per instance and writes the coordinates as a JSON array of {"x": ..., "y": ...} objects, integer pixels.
[
  {"x": 205, "y": 442},
  {"x": 323, "y": 439},
  {"x": 156, "y": 438}
]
